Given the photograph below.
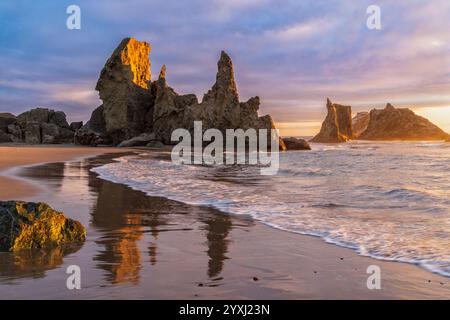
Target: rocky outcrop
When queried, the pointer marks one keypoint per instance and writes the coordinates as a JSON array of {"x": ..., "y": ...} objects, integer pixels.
[
  {"x": 337, "y": 126},
  {"x": 141, "y": 140},
  {"x": 220, "y": 107},
  {"x": 36, "y": 126},
  {"x": 27, "y": 225},
  {"x": 360, "y": 123},
  {"x": 93, "y": 133},
  {"x": 296, "y": 144},
  {"x": 123, "y": 87},
  {"x": 74, "y": 126},
  {"x": 5, "y": 120},
  {"x": 393, "y": 123},
  {"x": 133, "y": 107},
  {"x": 4, "y": 137}
]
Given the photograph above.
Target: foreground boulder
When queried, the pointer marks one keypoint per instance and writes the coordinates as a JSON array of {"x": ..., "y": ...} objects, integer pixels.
[
  {"x": 360, "y": 123},
  {"x": 27, "y": 225},
  {"x": 393, "y": 123},
  {"x": 337, "y": 126},
  {"x": 292, "y": 143}
]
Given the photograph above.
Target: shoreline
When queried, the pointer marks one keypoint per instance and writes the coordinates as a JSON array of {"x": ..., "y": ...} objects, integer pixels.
[
  {"x": 13, "y": 157},
  {"x": 287, "y": 265}
]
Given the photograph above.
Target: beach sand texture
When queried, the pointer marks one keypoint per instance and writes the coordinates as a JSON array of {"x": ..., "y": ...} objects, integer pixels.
[{"x": 148, "y": 247}]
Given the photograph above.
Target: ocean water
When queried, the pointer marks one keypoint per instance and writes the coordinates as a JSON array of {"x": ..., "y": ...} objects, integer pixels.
[{"x": 387, "y": 200}]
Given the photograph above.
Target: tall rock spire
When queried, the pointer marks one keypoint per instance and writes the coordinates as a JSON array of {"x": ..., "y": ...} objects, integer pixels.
[{"x": 123, "y": 86}]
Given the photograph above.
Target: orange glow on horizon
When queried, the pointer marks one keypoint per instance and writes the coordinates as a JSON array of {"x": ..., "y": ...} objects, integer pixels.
[{"x": 440, "y": 116}]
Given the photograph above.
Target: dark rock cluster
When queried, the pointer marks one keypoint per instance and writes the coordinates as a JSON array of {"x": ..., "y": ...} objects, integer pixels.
[{"x": 37, "y": 126}]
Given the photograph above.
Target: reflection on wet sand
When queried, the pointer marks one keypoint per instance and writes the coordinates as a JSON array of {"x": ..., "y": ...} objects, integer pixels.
[
  {"x": 32, "y": 263},
  {"x": 217, "y": 229},
  {"x": 127, "y": 225},
  {"x": 124, "y": 215}
]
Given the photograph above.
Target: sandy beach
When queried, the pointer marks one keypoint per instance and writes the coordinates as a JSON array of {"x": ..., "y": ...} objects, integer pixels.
[
  {"x": 12, "y": 156},
  {"x": 152, "y": 248}
]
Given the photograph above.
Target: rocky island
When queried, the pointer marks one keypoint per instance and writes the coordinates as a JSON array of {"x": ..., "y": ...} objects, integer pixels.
[
  {"x": 337, "y": 126},
  {"x": 385, "y": 124},
  {"x": 393, "y": 123}
]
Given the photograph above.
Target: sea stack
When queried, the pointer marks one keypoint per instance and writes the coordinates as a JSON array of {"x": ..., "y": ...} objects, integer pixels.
[
  {"x": 393, "y": 123},
  {"x": 337, "y": 126},
  {"x": 133, "y": 106},
  {"x": 123, "y": 87}
]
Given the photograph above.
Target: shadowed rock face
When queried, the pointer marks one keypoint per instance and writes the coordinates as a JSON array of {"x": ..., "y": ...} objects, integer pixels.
[
  {"x": 400, "y": 124},
  {"x": 219, "y": 109},
  {"x": 93, "y": 133},
  {"x": 337, "y": 126},
  {"x": 360, "y": 123},
  {"x": 27, "y": 225},
  {"x": 36, "y": 126}
]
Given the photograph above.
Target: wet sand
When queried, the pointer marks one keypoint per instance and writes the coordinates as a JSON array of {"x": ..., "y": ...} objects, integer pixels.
[
  {"x": 12, "y": 187},
  {"x": 152, "y": 248}
]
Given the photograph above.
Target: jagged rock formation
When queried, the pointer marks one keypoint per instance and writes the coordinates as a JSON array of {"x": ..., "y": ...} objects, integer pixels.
[
  {"x": 220, "y": 107},
  {"x": 132, "y": 105},
  {"x": 296, "y": 144},
  {"x": 393, "y": 123},
  {"x": 36, "y": 126},
  {"x": 360, "y": 123},
  {"x": 27, "y": 225},
  {"x": 337, "y": 126}
]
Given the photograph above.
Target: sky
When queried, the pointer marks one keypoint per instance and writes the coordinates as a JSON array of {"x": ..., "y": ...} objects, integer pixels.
[{"x": 292, "y": 53}]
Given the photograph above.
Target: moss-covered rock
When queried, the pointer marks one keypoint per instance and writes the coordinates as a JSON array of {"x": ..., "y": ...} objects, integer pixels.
[{"x": 28, "y": 225}]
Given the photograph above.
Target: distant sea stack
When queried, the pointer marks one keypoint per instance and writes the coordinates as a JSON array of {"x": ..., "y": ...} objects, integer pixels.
[
  {"x": 133, "y": 105},
  {"x": 337, "y": 126},
  {"x": 393, "y": 123}
]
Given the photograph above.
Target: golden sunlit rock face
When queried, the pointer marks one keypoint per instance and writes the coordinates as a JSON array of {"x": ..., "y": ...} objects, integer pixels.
[
  {"x": 27, "y": 225},
  {"x": 393, "y": 123},
  {"x": 123, "y": 87},
  {"x": 337, "y": 126},
  {"x": 135, "y": 54}
]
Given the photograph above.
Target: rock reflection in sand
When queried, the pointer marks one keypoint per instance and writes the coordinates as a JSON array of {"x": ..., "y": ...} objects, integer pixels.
[
  {"x": 127, "y": 225},
  {"x": 32, "y": 263}
]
